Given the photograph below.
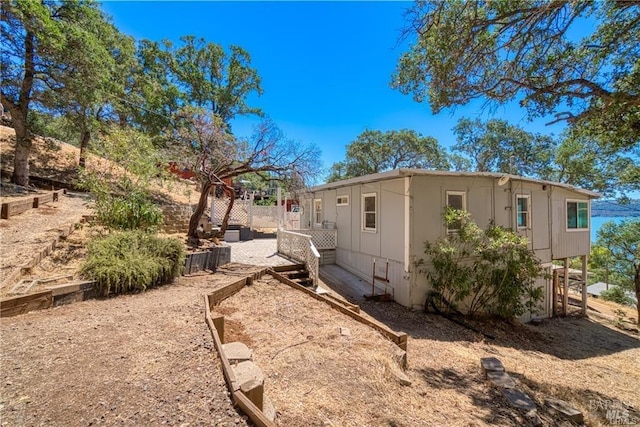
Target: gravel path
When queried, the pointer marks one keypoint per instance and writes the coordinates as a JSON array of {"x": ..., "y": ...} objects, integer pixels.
[{"x": 145, "y": 359}]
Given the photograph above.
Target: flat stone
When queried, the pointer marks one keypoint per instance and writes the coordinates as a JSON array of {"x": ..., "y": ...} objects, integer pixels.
[
  {"x": 346, "y": 332},
  {"x": 247, "y": 372},
  {"x": 268, "y": 409},
  {"x": 501, "y": 379},
  {"x": 321, "y": 291},
  {"x": 402, "y": 378},
  {"x": 236, "y": 352},
  {"x": 400, "y": 357},
  {"x": 564, "y": 408},
  {"x": 519, "y": 400},
  {"x": 491, "y": 364}
]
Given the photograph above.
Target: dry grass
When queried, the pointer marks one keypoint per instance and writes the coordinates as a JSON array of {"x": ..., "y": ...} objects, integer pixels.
[
  {"x": 316, "y": 376},
  {"x": 53, "y": 159}
]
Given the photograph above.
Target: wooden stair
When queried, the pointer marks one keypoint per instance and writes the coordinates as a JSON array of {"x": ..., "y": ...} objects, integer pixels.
[{"x": 297, "y": 273}]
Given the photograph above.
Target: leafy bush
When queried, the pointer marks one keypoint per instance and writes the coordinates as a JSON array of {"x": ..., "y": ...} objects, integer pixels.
[
  {"x": 132, "y": 261},
  {"x": 618, "y": 295},
  {"x": 121, "y": 185},
  {"x": 492, "y": 270},
  {"x": 127, "y": 209}
]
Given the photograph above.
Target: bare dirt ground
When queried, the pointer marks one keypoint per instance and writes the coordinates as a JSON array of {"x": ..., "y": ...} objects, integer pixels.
[
  {"x": 140, "y": 360},
  {"x": 23, "y": 236}
]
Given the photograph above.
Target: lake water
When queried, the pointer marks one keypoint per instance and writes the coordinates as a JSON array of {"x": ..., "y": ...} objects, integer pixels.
[{"x": 597, "y": 221}]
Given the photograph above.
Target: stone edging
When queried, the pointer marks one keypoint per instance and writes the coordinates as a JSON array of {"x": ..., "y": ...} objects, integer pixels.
[{"x": 215, "y": 323}]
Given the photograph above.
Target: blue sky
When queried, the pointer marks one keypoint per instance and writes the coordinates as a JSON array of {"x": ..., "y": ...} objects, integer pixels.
[{"x": 325, "y": 66}]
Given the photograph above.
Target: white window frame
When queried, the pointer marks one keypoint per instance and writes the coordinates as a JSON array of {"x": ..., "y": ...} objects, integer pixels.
[
  {"x": 464, "y": 204},
  {"x": 577, "y": 202},
  {"x": 527, "y": 197},
  {"x": 375, "y": 212},
  {"x": 317, "y": 213},
  {"x": 342, "y": 200}
]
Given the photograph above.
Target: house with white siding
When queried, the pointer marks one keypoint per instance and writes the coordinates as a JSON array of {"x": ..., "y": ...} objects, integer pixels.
[{"x": 387, "y": 217}]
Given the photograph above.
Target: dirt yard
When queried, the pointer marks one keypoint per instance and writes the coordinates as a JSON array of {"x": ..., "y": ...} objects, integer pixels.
[{"x": 143, "y": 359}]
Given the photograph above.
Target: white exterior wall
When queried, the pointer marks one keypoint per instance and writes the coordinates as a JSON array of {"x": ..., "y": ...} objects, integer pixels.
[
  {"x": 357, "y": 247},
  {"x": 409, "y": 213},
  {"x": 567, "y": 243}
]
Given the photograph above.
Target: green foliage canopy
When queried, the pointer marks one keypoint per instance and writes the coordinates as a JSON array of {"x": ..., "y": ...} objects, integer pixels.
[
  {"x": 527, "y": 50},
  {"x": 49, "y": 48},
  {"x": 490, "y": 271},
  {"x": 375, "y": 151},
  {"x": 497, "y": 146},
  {"x": 623, "y": 259}
]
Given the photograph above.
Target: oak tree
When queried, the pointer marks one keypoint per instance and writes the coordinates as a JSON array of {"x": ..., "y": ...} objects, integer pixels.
[
  {"x": 216, "y": 156},
  {"x": 375, "y": 151},
  {"x": 497, "y": 146},
  {"x": 623, "y": 244},
  {"x": 531, "y": 51},
  {"x": 45, "y": 43}
]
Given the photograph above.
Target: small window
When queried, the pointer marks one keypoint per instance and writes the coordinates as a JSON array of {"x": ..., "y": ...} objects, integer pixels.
[
  {"x": 456, "y": 200},
  {"x": 523, "y": 211},
  {"x": 342, "y": 201},
  {"x": 577, "y": 215},
  {"x": 317, "y": 211},
  {"x": 369, "y": 215}
]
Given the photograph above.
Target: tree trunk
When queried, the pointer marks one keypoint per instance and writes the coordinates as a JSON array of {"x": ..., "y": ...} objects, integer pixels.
[
  {"x": 23, "y": 147},
  {"x": 84, "y": 144},
  {"x": 202, "y": 205},
  {"x": 637, "y": 283},
  {"x": 225, "y": 221}
]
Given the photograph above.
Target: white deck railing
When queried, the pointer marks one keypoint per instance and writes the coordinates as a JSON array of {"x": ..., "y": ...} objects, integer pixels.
[
  {"x": 321, "y": 238},
  {"x": 300, "y": 247}
]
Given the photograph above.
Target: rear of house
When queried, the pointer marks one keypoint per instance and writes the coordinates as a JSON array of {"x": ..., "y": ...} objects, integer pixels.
[{"x": 387, "y": 217}]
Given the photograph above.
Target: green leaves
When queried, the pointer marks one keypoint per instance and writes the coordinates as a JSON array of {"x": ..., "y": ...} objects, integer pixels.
[
  {"x": 491, "y": 271},
  {"x": 533, "y": 52},
  {"x": 497, "y": 146},
  {"x": 377, "y": 151},
  {"x": 132, "y": 261}
]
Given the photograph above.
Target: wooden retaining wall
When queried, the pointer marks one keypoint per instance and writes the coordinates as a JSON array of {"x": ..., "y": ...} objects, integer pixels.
[
  {"x": 52, "y": 297},
  {"x": 16, "y": 207}
]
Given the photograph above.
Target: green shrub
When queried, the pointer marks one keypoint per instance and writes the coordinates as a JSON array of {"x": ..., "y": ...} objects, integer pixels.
[
  {"x": 618, "y": 295},
  {"x": 132, "y": 211},
  {"x": 493, "y": 271},
  {"x": 132, "y": 261}
]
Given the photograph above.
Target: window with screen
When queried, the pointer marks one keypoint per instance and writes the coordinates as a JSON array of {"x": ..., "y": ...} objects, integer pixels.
[
  {"x": 577, "y": 215},
  {"x": 369, "y": 214},
  {"x": 456, "y": 200},
  {"x": 523, "y": 211}
]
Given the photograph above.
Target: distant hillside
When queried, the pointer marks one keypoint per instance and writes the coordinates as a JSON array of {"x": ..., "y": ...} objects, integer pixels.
[{"x": 610, "y": 208}]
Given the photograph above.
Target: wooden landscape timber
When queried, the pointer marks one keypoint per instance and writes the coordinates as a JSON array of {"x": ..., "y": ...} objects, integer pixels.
[
  {"x": 399, "y": 338},
  {"x": 52, "y": 297},
  {"x": 247, "y": 400},
  {"x": 16, "y": 207},
  {"x": 45, "y": 250}
]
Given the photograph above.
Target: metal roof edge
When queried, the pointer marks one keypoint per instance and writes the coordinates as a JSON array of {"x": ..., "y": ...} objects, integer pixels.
[{"x": 402, "y": 172}]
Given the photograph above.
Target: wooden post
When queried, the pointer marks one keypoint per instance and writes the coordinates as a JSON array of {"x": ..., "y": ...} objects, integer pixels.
[
  {"x": 554, "y": 293},
  {"x": 565, "y": 287},
  {"x": 585, "y": 281}
]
